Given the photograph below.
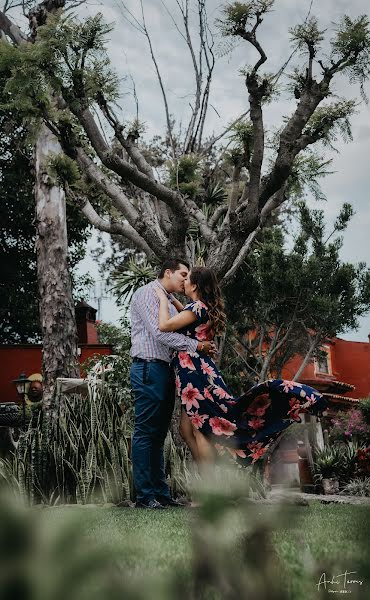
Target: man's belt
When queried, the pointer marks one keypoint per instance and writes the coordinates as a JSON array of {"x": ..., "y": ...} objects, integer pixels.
[{"x": 150, "y": 360}]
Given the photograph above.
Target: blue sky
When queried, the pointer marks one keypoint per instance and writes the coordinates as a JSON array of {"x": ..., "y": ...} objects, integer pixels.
[{"x": 128, "y": 50}]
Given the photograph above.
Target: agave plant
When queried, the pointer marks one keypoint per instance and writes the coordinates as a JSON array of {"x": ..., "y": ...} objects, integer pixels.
[
  {"x": 134, "y": 276},
  {"x": 328, "y": 462},
  {"x": 358, "y": 487},
  {"x": 348, "y": 460},
  {"x": 80, "y": 456}
]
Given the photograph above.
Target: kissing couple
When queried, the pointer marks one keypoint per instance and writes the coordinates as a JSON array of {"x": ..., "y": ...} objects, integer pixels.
[{"x": 172, "y": 351}]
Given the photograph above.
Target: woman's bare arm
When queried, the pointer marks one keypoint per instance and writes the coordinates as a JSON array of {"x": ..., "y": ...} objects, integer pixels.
[
  {"x": 177, "y": 304},
  {"x": 167, "y": 323}
]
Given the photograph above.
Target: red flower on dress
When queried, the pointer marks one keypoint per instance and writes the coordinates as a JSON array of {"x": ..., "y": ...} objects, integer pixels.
[
  {"x": 237, "y": 452},
  {"x": 220, "y": 449},
  {"x": 206, "y": 368},
  {"x": 197, "y": 307},
  {"x": 201, "y": 332},
  {"x": 190, "y": 396},
  {"x": 185, "y": 361},
  {"x": 310, "y": 400},
  {"x": 256, "y": 423},
  {"x": 224, "y": 408},
  {"x": 221, "y": 426},
  {"x": 259, "y": 405},
  {"x": 220, "y": 392},
  {"x": 295, "y": 410},
  {"x": 257, "y": 450},
  {"x": 207, "y": 394},
  {"x": 198, "y": 420},
  {"x": 288, "y": 385}
]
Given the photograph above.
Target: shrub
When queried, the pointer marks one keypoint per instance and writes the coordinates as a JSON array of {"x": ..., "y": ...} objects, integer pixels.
[
  {"x": 350, "y": 425},
  {"x": 358, "y": 487},
  {"x": 328, "y": 462},
  {"x": 82, "y": 455},
  {"x": 364, "y": 406},
  {"x": 363, "y": 461}
]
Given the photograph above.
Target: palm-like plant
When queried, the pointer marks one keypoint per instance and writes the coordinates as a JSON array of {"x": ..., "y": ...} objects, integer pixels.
[
  {"x": 137, "y": 274},
  {"x": 328, "y": 462}
]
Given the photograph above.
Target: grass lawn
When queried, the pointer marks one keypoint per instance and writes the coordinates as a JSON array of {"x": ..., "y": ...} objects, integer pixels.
[{"x": 152, "y": 543}]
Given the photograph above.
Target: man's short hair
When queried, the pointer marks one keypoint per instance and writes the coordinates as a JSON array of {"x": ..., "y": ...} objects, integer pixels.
[{"x": 173, "y": 264}]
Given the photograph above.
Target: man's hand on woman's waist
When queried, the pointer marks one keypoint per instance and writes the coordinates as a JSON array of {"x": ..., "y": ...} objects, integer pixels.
[{"x": 208, "y": 348}]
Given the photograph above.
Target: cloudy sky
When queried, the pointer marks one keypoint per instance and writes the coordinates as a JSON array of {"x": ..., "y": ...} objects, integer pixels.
[{"x": 128, "y": 50}]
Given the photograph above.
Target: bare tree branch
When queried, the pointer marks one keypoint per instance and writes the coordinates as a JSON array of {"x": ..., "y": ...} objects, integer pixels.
[
  {"x": 219, "y": 212},
  {"x": 12, "y": 30},
  {"x": 111, "y": 227}
]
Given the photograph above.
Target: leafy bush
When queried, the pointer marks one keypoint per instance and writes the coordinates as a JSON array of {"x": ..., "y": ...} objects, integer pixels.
[
  {"x": 363, "y": 461},
  {"x": 364, "y": 406},
  {"x": 357, "y": 487},
  {"x": 350, "y": 425},
  {"x": 328, "y": 462},
  {"x": 82, "y": 455}
]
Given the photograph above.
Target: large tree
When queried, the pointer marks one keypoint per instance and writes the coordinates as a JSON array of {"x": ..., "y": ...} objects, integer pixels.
[
  {"x": 289, "y": 301},
  {"x": 19, "y": 305},
  {"x": 65, "y": 80},
  {"x": 57, "y": 318}
]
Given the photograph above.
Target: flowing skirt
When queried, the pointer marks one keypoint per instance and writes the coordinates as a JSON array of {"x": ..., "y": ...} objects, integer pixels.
[{"x": 244, "y": 427}]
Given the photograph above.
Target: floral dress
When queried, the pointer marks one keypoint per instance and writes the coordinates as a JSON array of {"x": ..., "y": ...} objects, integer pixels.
[{"x": 243, "y": 427}]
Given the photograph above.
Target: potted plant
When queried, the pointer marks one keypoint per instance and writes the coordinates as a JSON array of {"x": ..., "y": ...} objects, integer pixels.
[{"x": 327, "y": 466}]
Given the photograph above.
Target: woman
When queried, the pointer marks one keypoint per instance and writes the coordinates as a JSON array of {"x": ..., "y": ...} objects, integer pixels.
[{"x": 212, "y": 418}]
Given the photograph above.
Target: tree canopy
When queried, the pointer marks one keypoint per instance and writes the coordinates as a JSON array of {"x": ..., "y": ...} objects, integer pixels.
[
  {"x": 65, "y": 79},
  {"x": 19, "y": 311},
  {"x": 289, "y": 300}
]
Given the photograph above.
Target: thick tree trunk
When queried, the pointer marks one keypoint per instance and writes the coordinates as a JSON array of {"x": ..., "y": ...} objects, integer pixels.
[{"x": 57, "y": 314}]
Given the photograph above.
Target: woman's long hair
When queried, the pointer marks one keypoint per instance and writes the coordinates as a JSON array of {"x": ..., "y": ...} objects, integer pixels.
[{"x": 209, "y": 292}]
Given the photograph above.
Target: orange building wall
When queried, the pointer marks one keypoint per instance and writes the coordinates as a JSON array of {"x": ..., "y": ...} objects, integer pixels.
[
  {"x": 350, "y": 363},
  {"x": 292, "y": 367},
  {"x": 28, "y": 359}
]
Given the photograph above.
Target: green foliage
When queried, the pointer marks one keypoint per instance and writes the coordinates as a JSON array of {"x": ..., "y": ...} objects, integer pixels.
[
  {"x": 275, "y": 552},
  {"x": 328, "y": 462},
  {"x": 237, "y": 16},
  {"x": 358, "y": 487},
  {"x": 307, "y": 169},
  {"x": 364, "y": 406},
  {"x": 118, "y": 337},
  {"x": 328, "y": 122},
  {"x": 307, "y": 35},
  {"x": 242, "y": 135},
  {"x": 185, "y": 175},
  {"x": 350, "y": 425},
  {"x": 128, "y": 281},
  {"x": 282, "y": 298},
  {"x": 79, "y": 457},
  {"x": 337, "y": 460},
  {"x": 19, "y": 312},
  {"x": 67, "y": 55},
  {"x": 351, "y": 47},
  {"x": 114, "y": 370},
  {"x": 64, "y": 169}
]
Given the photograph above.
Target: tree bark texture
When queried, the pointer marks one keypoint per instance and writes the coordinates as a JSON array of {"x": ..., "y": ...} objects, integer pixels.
[{"x": 57, "y": 313}]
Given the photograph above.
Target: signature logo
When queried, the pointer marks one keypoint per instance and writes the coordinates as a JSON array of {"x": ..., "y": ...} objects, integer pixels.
[{"x": 339, "y": 584}]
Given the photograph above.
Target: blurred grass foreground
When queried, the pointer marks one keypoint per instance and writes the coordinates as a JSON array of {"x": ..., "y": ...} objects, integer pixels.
[{"x": 232, "y": 545}]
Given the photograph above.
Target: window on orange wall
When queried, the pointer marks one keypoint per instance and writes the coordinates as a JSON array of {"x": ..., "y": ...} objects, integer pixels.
[{"x": 323, "y": 362}]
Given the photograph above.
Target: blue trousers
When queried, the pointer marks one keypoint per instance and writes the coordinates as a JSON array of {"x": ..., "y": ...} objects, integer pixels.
[{"x": 154, "y": 393}]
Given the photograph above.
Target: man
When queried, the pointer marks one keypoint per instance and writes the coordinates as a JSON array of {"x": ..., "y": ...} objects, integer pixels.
[{"x": 153, "y": 382}]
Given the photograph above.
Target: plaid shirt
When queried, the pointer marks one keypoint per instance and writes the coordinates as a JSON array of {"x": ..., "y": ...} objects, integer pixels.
[{"x": 146, "y": 338}]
